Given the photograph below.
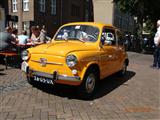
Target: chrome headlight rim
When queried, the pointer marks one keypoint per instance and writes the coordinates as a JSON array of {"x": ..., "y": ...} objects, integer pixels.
[
  {"x": 25, "y": 55},
  {"x": 71, "y": 60}
]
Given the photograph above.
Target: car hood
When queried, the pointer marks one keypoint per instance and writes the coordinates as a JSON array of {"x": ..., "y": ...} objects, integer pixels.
[{"x": 62, "y": 48}]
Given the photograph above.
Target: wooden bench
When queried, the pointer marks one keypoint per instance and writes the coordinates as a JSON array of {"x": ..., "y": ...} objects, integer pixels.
[{"x": 8, "y": 54}]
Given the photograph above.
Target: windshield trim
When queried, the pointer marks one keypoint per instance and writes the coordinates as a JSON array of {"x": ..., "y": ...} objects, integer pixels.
[{"x": 95, "y": 27}]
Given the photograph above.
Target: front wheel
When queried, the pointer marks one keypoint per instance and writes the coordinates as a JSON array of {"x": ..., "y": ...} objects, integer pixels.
[
  {"x": 89, "y": 85},
  {"x": 30, "y": 80}
]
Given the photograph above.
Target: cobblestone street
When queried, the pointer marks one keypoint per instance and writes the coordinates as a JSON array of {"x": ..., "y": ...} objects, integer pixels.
[{"x": 135, "y": 97}]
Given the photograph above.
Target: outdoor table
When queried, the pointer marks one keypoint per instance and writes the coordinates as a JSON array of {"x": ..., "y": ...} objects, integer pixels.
[
  {"x": 28, "y": 45},
  {"x": 7, "y": 54}
]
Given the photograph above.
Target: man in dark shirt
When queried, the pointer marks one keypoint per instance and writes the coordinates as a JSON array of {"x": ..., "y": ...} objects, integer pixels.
[{"x": 6, "y": 40}]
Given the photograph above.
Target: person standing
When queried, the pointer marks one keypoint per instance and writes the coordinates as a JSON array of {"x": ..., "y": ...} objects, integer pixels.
[{"x": 156, "y": 55}]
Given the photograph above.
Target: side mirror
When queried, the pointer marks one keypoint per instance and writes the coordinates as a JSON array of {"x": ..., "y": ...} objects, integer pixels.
[{"x": 103, "y": 39}]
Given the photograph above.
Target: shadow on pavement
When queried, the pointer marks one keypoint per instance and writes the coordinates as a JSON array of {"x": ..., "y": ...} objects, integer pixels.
[
  {"x": 1, "y": 69},
  {"x": 112, "y": 82},
  {"x": 2, "y": 74},
  {"x": 57, "y": 89},
  {"x": 105, "y": 87}
]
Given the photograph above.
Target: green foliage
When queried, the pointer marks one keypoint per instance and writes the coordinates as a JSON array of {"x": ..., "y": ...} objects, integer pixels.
[
  {"x": 145, "y": 10},
  {"x": 150, "y": 27}
]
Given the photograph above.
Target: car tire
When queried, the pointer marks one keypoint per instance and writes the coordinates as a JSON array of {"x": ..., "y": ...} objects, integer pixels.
[
  {"x": 123, "y": 71},
  {"x": 30, "y": 80},
  {"x": 89, "y": 85}
]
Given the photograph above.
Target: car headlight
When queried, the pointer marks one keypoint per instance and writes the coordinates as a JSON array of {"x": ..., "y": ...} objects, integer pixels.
[
  {"x": 71, "y": 60},
  {"x": 25, "y": 55}
]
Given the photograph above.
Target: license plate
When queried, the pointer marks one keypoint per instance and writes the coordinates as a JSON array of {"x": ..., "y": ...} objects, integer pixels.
[
  {"x": 24, "y": 66},
  {"x": 43, "y": 80}
]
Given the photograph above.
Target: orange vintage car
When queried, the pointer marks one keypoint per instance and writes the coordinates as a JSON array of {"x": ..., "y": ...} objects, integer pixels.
[{"x": 80, "y": 54}]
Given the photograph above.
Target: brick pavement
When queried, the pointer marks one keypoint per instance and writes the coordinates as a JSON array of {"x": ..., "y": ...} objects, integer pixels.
[{"x": 135, "y": 97}]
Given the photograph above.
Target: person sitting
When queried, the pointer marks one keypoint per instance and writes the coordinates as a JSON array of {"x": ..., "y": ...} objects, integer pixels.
[
  {"x": 36, "y": 37},
  {"x": 7, "y": 40},
  {"x": 23, "y": 38},
  {"x": 15, "y": 35}
]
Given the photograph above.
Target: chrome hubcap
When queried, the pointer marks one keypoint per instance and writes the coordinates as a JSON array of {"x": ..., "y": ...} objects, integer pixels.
[{"x": 90, "y": 83}]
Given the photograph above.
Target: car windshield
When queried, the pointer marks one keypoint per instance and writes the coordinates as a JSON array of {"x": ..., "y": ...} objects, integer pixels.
[{"x": 84, "y": 33}]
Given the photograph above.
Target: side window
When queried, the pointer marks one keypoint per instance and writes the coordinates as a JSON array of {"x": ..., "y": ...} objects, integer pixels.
[
  {"x": 108, "y": 36},
  {"x": 120, "y": 38}
]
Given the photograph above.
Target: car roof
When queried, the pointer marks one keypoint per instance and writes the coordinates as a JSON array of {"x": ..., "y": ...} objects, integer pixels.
[{"x": 90, "y": 23}]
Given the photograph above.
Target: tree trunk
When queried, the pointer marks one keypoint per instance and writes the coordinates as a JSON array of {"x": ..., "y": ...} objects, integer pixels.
[{"x": 140, "y": 32}]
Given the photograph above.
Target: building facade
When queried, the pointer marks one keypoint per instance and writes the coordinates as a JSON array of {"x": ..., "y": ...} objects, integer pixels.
[
  {"x": 89, "y": 15},
  {"x": 54, "y": 13},
  {"x": 51, "y": 13},
  {"x": 2, "y": 19},
  {"x": 3, "y": 13},
  {"x": 106, "y": 11}
]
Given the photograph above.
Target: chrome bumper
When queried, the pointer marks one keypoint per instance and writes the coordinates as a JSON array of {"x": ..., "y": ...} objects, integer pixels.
[{"x": 54, "y": 76}]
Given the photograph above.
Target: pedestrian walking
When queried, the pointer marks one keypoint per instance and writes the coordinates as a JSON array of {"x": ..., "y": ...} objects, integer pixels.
[{"x": 156, "y": 55}]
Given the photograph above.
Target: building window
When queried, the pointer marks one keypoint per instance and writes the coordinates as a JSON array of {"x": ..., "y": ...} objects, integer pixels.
[
  {"x": 75, "y": 10},
  {"x": 26, "y": 25},
  {"x": 86, "y": 15},
  {"x": 53, "y": 7},
  {"x": 15, "y": 25},
  {"x": 42, "y": 4},
  {"x": 14, "y": 5},
  {"x": 25, "y": 5}
]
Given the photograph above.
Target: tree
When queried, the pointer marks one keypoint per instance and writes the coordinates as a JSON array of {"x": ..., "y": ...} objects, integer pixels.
[{"x": 144, "y": 10}]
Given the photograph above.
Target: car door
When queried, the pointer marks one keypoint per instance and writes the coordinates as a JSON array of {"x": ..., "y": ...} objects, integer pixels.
[
  {"x": 120, "y": 50},
  {"x": 108, "y": 52}
]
